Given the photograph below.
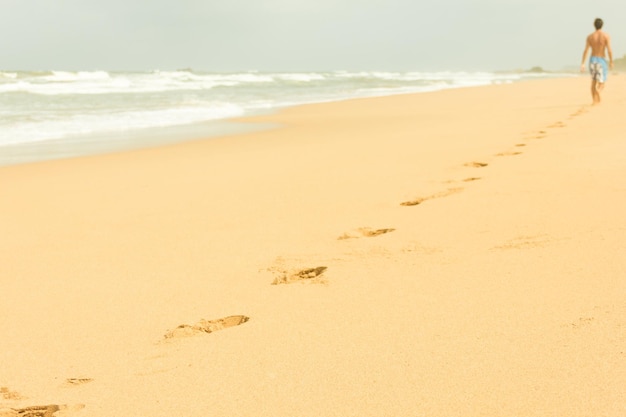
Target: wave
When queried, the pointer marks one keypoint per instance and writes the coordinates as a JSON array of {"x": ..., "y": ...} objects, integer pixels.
[
  {"x": 43, "y": 105},
  {"x": 65, "y": 76},
  {"x": 103, "y": 82},
  {"x": 105, "y": 122},
  {"x": 10, "y": 75}
]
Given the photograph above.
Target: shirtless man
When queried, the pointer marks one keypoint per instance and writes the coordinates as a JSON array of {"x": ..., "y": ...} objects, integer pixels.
[{"x": 599, "y": 42}]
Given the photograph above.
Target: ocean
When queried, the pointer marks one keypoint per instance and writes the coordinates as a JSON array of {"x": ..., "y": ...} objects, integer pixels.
[{"x": 57, "y": 114}]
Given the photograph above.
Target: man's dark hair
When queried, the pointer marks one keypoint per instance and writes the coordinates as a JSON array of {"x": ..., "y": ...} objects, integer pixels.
[{"x": 598, "y": 23}]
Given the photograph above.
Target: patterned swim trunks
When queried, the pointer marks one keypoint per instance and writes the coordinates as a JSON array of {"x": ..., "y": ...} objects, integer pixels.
[{"x": 598, "y": 68}]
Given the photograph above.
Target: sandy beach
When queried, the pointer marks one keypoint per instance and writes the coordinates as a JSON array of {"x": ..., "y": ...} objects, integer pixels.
[{"x": 454, "y": 253}]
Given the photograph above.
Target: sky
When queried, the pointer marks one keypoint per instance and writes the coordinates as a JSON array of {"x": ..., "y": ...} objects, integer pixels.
[{"x": 302, "y": 35}]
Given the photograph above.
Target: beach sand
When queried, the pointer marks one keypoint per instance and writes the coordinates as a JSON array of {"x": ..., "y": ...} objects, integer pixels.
[{"x": 455, "y": 253}]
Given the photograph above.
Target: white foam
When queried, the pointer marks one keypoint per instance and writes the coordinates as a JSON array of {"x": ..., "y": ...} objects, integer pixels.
[
  {"x": 101, "y": 82},
  {"x": 302, "y": 77},
  {"x": 34, "y": 131},
  {"x": 11, "y": 75},
  {"x": 12, "y": 87},
  {"x": 66, "y": 76}
]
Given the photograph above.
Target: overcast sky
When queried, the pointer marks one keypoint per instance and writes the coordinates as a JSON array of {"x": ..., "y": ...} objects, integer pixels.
[{"x": 302, "y": 35}]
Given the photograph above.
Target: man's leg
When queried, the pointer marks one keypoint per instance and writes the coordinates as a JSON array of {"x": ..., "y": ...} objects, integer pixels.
[
  {"x": 595, "y": 91},
  {"x": 601, "y": 80},
  {"x": 599, "y": 88}
]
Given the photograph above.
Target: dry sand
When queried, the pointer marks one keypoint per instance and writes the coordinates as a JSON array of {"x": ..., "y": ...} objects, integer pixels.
[{"x": 457, "y": 253}]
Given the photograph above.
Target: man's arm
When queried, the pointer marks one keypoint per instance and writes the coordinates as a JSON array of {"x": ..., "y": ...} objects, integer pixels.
[
  {"x": 609, "y": 51},
  {"x": 587, "y": 47}
]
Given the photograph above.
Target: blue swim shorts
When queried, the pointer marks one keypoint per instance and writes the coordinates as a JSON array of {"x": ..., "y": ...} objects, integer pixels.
[{"x": 598, "y": 68}]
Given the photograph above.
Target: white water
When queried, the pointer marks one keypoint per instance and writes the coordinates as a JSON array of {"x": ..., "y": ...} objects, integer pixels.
[{"x": 37, "y": 107}]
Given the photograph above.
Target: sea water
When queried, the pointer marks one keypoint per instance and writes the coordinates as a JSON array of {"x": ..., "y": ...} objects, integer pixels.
[{"x": 52, "y": 114}]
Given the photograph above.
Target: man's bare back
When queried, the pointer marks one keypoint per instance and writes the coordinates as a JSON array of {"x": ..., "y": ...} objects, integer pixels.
[{"x": 599, "y": 42}]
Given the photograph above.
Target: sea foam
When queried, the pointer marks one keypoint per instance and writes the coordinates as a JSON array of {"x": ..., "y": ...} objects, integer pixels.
[{"x": 46, "y": 105}]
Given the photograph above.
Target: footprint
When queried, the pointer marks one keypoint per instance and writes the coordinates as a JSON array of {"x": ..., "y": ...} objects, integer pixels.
[
  {"x": 582, "y": 322},
  {"x": 206, "y": 326},
  {"x": 540, "y": 134},
  {"x": 446, "y": 193},
  {"x": 365, "y": 232},
  {"x": 508, "y": 153},
  {"x": 471, "y": 179},
  {"x": 602, "y": 320},
  {"x": 413, "y": 202},
  {"x": 7, "y": 394},
  {"x": 36, "y": 411},
  {"x": 526, "y": 242},
  {"x": 77, "y": 381},
  {"x": 557, "y": 124},
  {"x": 520, "y": 144},
  {"x": 476, "y": 164},
  {"x": 289, "y": 276},
  {"x": 580, "y": 111},
  {"x": 40, "y": 410}
]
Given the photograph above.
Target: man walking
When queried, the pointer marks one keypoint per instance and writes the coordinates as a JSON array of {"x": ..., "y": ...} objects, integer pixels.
[{"x": 600, "y": 43}]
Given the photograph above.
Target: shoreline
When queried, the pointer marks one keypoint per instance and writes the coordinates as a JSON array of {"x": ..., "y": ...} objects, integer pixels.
[
  {"x": 114, "y": 142},
  {"x": 446, "y": 253},
  {"x": 93, "y": 145}
]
